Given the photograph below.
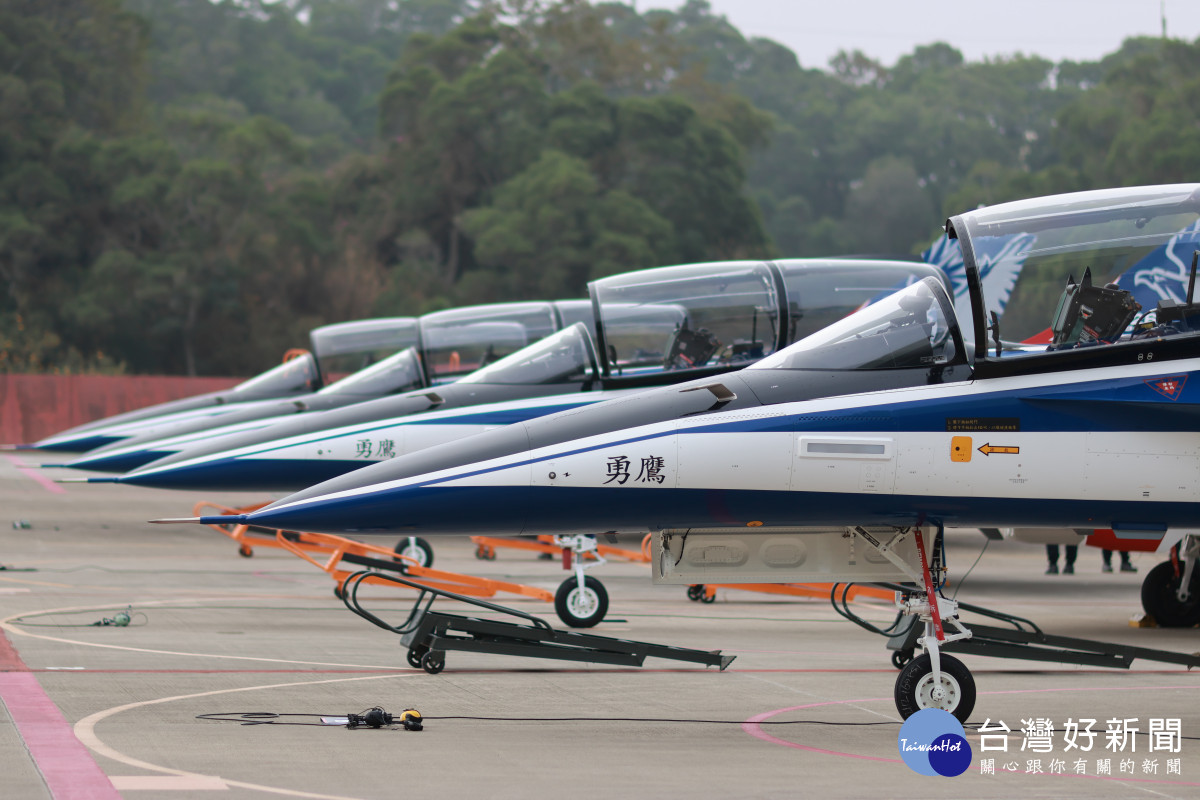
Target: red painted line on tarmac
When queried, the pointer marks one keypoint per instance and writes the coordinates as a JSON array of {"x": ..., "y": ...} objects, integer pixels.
[
  {"x": 753, "y": 727},
  {"x": 66, "y": 765},
  {"x": 31, "y": 472}
]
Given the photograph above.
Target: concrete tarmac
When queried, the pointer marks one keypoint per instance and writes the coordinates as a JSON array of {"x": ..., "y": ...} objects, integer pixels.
[{"x": 111, "y": 712}]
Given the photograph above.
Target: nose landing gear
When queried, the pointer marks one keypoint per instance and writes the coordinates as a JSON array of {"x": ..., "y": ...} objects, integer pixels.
[
  {"x": 581, "y": 600},
  {"x": 934, "y": 679}
]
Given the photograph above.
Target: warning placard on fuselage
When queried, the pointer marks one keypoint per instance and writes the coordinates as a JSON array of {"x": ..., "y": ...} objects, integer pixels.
[{"x": 983, "y": 424}]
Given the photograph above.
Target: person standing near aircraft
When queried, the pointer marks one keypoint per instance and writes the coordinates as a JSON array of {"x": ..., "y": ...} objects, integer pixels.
[
  {"x": 1126, "y": 564},
  {"x": 1069, "y": 561}
]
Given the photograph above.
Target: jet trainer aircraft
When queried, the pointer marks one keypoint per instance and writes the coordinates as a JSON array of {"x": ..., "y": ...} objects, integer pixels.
[
  {"x": 449, "y": 344},
  {"x": 301, "y": 373},
  {"x": 894, "y": 423},
  {"x": 643, "y": 316}
]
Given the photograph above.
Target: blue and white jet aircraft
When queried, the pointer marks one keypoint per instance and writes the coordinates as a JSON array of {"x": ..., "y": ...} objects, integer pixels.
[
  {"x": 448, "y": 345},
  {"x": 661, "y": 326},
  {"x": 302, "y": 373},
  {"x": 897, "y": 421}
]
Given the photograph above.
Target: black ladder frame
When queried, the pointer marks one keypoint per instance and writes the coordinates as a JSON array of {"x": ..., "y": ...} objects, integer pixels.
[{"x": 430, "y": 634}]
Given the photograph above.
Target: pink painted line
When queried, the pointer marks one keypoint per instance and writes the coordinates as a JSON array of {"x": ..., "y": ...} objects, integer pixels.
[
  {"x": 753, "y": 727},
  {"x": 31, "y": 472},
  {"x": 66, "y": 765}
]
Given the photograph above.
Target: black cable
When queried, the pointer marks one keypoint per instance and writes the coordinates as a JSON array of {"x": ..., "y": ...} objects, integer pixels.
[
  {"x": 663, "y": 720},
  {"x": 272, "y": 718},
  {"x": 125, "y": 618},
  {"x": 843, "y": 610},
  {"x": 967, "y": 574}
]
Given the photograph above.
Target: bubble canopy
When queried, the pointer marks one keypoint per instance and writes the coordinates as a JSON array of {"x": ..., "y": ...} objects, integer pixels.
[
  {"x": 564, "y": 357},
  {"x": 911, "y": 329},
  {"x": 459, "y": 341},
  {"x": 725, "y": 315},
  {"x": 399, "y": 372},
  {"x": 1020, "y": 258},
  {"x": 295, "y": 374}
]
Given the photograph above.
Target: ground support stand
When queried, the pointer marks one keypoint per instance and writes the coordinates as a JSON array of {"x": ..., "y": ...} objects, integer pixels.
[
  {"x": 707, "y": 592},
  {"x": 340, "y": 551},
  {"x": 1026, "y": 641},
  {"x": 429, "y": 634},
  {"x": 486, "y": 547}
]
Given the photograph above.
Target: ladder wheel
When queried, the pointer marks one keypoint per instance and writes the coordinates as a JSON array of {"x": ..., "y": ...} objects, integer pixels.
[
  {"x": 433, "y": 662},
  {"x": 414, "y": 657}
]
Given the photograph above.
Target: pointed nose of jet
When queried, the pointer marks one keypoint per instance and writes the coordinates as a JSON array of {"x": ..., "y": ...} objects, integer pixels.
[
  {"x": 400, "y": 510},
  {"x": 235, "y": 473},
  {"x": 117, "y": 461}
]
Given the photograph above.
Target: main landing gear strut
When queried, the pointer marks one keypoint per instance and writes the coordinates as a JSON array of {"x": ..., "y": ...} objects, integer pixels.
[
  {"x": 938, "y": 680},
  {"x": 934, "y": 679}
]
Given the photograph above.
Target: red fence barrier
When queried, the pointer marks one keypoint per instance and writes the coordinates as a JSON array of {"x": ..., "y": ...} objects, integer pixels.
[{"x": 33, "y": 407}]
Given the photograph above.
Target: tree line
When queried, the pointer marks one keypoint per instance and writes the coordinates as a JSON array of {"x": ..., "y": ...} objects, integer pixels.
[{"x": 188, "y": 186}]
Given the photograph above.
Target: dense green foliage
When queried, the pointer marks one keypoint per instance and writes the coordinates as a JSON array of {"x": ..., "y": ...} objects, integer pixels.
[{"x": 187, "y": 186}]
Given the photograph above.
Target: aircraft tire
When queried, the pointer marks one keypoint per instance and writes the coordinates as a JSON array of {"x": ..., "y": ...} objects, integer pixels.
[
  {"x": 1160, "y": 602},
  {"x": 581, "y": 608},
  {"x": 915, "y": 682},
  {"x": 418, "y": 549}
]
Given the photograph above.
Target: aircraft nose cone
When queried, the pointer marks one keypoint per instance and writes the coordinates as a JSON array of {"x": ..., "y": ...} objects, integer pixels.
[
  {"x": 117, "y": 462},
  {"x": 405, "y": 510}
]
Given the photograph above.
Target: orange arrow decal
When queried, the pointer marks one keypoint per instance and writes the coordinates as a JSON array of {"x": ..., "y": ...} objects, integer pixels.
[{"x": 988, "y": 449}]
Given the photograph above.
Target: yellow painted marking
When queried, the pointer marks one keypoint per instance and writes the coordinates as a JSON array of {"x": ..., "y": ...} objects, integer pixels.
[{"x": 960, "y": 449}]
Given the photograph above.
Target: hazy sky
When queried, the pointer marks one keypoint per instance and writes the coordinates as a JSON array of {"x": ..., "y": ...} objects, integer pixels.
[{"x": 1080, "y": 30}]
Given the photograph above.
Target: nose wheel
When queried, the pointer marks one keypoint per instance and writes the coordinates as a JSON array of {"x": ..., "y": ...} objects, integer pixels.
[
  {"x": 417, "y": 549},
  {"x": 581, "y": 606},
  {"x": 953, "y": 689}
]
